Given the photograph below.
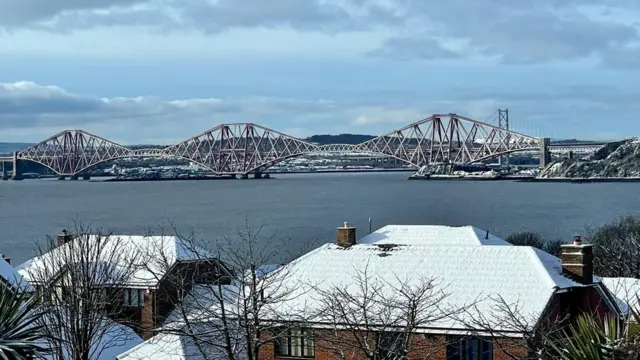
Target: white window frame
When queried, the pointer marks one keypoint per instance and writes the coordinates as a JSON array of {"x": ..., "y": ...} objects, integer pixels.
[{"x": 134, "y": 297}]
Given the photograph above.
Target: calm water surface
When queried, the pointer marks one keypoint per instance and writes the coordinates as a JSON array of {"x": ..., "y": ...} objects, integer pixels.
[{"x": 304, "y": 208}]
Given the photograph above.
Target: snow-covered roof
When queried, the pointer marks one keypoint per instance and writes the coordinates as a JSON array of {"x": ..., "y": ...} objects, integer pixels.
[
  {"x": 116, "y": 340},
  {"x": 9, "y": 273},
  {"x": 201, "y": 307},
  {"x": 172, "y": 346},
  {"x": 470, "y": 275},
  {"x": 152, "y": 257},
  {"x": 626, "y": 292},
  {"x": 431, "y": 235},
  {"x": 202, "y": 303}
]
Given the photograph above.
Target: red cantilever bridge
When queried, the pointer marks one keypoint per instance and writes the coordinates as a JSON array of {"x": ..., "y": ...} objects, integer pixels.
[{"x": 240, "y": 149}]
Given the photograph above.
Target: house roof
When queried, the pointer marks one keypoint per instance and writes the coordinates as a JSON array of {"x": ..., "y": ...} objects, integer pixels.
[
  {"x": 172, "y": 346},
  {"x": 202, "y": 303},
  {"x": 9, "y": 273},
  {"x": 116, "y": 339},
  {"x": 431, "y": 235},
  {"x": 150, "y": 256},
  {"x": 470, "y": 275},
  {"x": 626, "y": 292},
  {"x": 201, "y": 307}
]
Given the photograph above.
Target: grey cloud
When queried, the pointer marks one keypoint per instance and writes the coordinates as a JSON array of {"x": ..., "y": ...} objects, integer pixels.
[
  {"x": 206, "y": 15},
  {"x": 15, "y": 13},
  {"x": 403, "y": 48},
  {"x": 27, "y": 109},
  {"x": 507, "y": 30},
  {"x": 516, "y": 31},
  {"x": 30, "y": 107}
]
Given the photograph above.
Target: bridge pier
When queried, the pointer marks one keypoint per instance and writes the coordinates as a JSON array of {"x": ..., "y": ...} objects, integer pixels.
[
  {"x": 257, "y": 175},
  {"x": 244, "y": 176},
  {"x": 570, "y": 155},
  {"x": 61, "y": 177},
  {"x": 5, "y": 172},
  {"x": 86, "y": 177},
  {"x": 545, "y": 154},
  {"x": 17, "y": 173},
  {"x": 73, "y": 177}
]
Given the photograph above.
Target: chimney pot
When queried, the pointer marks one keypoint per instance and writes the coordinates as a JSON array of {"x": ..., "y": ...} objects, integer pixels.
[
  {"x": 64, "y": 237},
  {"x": 346, "y": 235},
  {"x": 577, "y": 239}
]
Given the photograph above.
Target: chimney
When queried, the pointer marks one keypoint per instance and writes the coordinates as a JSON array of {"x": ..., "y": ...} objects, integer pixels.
[
  {"x": 64, "y": 237},
  {"x": 577, "y": 261},
  {"x": 346, "y": 235}
]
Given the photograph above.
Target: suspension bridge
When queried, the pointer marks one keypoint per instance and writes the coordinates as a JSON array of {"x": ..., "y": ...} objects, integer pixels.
[{"x": 247, "y": 148}]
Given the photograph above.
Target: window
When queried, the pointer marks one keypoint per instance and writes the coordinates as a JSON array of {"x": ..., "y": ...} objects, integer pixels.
[
  {"x": 469, "y": 348},
  {"x": 134, "y": 297},
  {"x": 296, "y": 342},
  {"x": 390, "y": 345}
]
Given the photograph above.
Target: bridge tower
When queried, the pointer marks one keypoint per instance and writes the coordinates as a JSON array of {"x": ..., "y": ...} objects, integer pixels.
[
  {"x": 17, "y": 175},
  {"x": 545, "y": 154},
  {"x": 503, "y": 123}
]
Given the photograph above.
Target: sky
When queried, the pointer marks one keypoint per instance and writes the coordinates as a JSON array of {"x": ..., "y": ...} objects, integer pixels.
[{"x": 160, "y": 71}]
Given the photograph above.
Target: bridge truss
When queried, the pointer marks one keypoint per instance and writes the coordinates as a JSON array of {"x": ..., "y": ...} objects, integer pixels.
[{"x": 235, "y": 149}]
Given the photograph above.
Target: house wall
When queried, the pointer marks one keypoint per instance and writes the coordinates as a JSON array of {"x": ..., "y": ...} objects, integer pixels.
[
  {"x": 569, "y": 305},
  {"x": 160, "y": 302},
  {"x": 431, "y": 347}
]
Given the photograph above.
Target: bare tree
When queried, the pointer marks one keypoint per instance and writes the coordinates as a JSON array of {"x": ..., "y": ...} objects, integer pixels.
[
  {"x": 220, "y": 308},
  {"x": 380, "y": 319},
  {"x": 617, "y": 248},
  {"x": 518, "y": 335},
  {"x": 79, "y": 287},
  {"x": 536, "y": 240}
]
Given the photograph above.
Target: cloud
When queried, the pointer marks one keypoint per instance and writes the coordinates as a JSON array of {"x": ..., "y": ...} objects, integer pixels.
[
  {"x": 18, "y": 13},
  {"x": 371, "y": 115},
  {"x": 212, "y": 16},
  {"x": 518, "y": 31},
  {"x": 507, "y": 31},
  {"x": 31, "y": 112},
  {"x": 405, "y": 48}
]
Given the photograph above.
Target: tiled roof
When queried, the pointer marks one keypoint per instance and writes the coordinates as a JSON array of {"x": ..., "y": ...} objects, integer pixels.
[
  {"x": 476, "y": 275},
  {"x": 431, "y": 235},
  {"x": 151, "y": 256}
]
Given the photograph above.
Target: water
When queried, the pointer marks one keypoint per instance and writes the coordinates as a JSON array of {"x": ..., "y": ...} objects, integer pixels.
[{"x": 304, "y": 209}]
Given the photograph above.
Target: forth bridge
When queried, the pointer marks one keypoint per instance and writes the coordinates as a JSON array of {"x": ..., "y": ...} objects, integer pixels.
[{"x": 247, "y": 148}]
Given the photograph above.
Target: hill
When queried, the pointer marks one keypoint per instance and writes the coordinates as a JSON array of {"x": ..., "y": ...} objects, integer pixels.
[
  {"x": 9, "y": 148},
  {"x": 616, "y": 160}
]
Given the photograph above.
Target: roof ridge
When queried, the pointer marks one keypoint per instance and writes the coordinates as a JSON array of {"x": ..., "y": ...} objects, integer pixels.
[
  {"x": 474, "y": 231},
  {"x": 539, "y": 264}
]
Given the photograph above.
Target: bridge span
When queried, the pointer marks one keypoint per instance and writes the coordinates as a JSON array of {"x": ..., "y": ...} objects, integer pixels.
[{"x": 245, "y": 148}]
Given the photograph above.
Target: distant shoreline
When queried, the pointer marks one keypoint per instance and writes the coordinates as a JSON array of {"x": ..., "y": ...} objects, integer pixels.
[
  {"x": 582, "y": 180},
  {"x": 271, "y": 175}
]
